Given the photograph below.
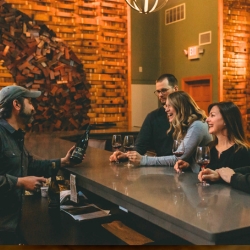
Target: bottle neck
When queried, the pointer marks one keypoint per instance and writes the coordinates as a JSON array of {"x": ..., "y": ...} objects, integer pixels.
[
  {"x": 53, "y": 177},
  {"x": 53, "y": 170}
]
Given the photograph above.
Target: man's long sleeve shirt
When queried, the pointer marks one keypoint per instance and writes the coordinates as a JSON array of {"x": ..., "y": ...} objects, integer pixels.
[
  {"x": 15, "y": 162},
  {"x": 153, "y": 134}
]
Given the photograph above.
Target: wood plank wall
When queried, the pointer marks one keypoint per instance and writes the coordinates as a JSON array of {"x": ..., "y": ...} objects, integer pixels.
[{"x": 97, "y": 32}]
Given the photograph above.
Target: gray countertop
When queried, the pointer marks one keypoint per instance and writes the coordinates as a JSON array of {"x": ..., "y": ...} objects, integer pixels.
[{"x": 216, "y": 214}]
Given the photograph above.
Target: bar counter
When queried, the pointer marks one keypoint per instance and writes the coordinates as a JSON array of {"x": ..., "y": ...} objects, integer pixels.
[
  {"x": 101, "y": 133},
  {"x": 104, "y": 134},
  {"x": 216, "y": 214}
]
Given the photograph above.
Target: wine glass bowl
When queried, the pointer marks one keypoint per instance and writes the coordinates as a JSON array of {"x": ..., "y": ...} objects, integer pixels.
[
  {"x": 128, "y": 145},
  {"x": 203, "y": 159},
  {"x": 116, "y": 142},
  {"x": 178, "y": 150}
]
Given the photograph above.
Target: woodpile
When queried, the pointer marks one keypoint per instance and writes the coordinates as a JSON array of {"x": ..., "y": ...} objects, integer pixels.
[
  {"x": 96, "y": 31},
  {"x": 38, "y": 60}
]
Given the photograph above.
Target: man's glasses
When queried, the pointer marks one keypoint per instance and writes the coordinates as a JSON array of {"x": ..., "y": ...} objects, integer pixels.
[{"x": 162, "y": 91}]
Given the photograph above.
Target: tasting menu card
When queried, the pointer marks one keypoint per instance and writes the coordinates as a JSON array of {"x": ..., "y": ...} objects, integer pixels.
[
  {"x": 79, "y": 213},
  {"x": 87, "y": 212}
]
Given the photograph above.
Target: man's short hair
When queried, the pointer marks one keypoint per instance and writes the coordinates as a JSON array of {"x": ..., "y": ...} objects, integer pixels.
[
  {"x": 6, "y": 109},
  {"x": 171, "y": 79}
]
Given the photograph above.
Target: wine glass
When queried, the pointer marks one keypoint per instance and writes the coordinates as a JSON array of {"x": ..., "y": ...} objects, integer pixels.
[
  {"x": 178, "y": 150},
  {"x": 128, "y": 145},
  {"x": 116, "y": 143},
  {"x": 203, "y": 159}
]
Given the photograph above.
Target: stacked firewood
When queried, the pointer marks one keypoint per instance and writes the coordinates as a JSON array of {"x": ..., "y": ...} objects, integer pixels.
[{"x": 38, "y": 60}]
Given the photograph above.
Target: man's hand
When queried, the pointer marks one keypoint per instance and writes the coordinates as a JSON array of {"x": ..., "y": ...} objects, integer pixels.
[
  {"x": 180, "y": 164},
  {"x": 117, "y": 155},
  {"x": 30, "y": 183},
  {"x": 208, "y": 174},
  {"x": 66, "y": 160},
  {"x": 134, "y": 157},
  {"x": 225, "y": 174}
]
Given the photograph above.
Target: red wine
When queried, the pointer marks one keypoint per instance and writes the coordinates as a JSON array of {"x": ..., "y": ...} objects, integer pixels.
[
  {"x": 116, "y": 146},
  {"x": 128, "y": 148},
  {"x": 203, "y": 163},
  {"x": 178, "y": 153}
]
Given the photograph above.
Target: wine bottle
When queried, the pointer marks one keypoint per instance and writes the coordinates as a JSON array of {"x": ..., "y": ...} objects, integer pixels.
[
  {"x": 54, "y": 191},
  {"x": 81, "y": 146}
]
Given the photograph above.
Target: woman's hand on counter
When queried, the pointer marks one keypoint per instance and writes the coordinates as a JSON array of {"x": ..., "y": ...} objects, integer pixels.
[
  {"x": 208, "y": 175},
  {"x": 226, "y": 174},
  {"x": 117, "y": 155},
  {"x": 134, "y": 157},
  {"x": 180, "y": 164}
]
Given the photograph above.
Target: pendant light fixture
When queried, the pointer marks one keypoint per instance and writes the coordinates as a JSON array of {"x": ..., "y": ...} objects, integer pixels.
[{"x": 146, "y": 6}]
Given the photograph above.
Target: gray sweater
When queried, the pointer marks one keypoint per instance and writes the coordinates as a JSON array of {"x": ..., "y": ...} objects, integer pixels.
[{"x": 197, "y": 135}]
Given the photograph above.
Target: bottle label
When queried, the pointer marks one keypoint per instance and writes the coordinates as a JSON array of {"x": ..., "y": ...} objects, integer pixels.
[{"x": 78, "y": 152}]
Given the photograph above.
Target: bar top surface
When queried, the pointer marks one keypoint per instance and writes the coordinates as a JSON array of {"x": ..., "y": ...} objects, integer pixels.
[{"x": 202, "y": 215}]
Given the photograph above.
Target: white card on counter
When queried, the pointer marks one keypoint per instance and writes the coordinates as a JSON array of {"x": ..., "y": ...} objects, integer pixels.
[{"x": 73, "y": 192}]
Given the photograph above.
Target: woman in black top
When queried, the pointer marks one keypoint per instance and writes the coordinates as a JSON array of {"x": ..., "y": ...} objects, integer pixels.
[
  {"x": 230, "y": 147},
  {"x": 233, "y": 157}
]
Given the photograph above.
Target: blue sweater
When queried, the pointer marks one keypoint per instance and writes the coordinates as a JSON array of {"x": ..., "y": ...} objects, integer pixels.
[{"x": 197, "y": 135}]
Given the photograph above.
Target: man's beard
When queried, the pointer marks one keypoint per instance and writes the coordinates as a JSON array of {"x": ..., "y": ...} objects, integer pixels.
[{"x": 26, "y": 118}]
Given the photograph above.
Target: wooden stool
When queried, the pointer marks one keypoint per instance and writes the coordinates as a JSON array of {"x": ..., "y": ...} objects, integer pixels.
[{"x": 126, "y": 234}]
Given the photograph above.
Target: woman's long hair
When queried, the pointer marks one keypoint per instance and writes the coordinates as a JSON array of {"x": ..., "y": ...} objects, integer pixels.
[
  {"x": 187, "y": 111},
  {"x": 234, "y": 124}
]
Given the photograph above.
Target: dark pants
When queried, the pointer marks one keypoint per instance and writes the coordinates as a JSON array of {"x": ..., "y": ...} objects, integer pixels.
[{"x": 12, "y": 238}]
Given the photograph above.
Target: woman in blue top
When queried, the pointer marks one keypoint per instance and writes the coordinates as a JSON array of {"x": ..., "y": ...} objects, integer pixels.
[{"x": 187, "y": 122}]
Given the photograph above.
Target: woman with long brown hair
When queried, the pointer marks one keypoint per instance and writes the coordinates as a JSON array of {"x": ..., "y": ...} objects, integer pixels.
[
  {"x": 187, "y": 123},
  {"x": 230, "y": 147}
]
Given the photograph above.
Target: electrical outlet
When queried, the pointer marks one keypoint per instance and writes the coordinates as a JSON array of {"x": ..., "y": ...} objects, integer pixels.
[{"x": 140, "y": 69}]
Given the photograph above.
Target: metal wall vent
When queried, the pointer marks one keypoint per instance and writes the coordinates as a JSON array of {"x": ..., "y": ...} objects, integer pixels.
[
  {"x": 175, "y": 14},
  {"x": 205, "y": 38}
]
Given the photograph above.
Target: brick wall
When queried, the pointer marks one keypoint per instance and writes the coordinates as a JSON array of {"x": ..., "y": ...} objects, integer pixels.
[
  {"x": 96, "y": 31},
  {"x": 236, "y": 38}
]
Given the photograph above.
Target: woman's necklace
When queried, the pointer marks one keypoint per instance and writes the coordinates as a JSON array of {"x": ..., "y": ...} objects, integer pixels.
[{"x": 220, "y": 149}]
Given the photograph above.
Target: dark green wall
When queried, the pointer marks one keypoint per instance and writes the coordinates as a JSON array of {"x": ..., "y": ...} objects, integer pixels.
[
  {"x": 145, "y": 47},
  {"x": 201, "y": 16},
  {"x": 158, "y": 48}
]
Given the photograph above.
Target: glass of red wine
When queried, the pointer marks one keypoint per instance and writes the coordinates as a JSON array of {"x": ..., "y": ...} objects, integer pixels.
[
  {"x": 128, "y": 145},
  {"x": 178, "y": 150},
  {"x": 203, "y": 159},
  {"x": 116, "y": 143}
]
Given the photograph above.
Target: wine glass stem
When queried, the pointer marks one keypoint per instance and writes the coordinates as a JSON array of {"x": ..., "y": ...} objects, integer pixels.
[
  {"x": 129, "y": 164},
  {"x": 203, "y": 182},
  {"x": 117, "y": 160},
  {"x": 180, "y": 171}
]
